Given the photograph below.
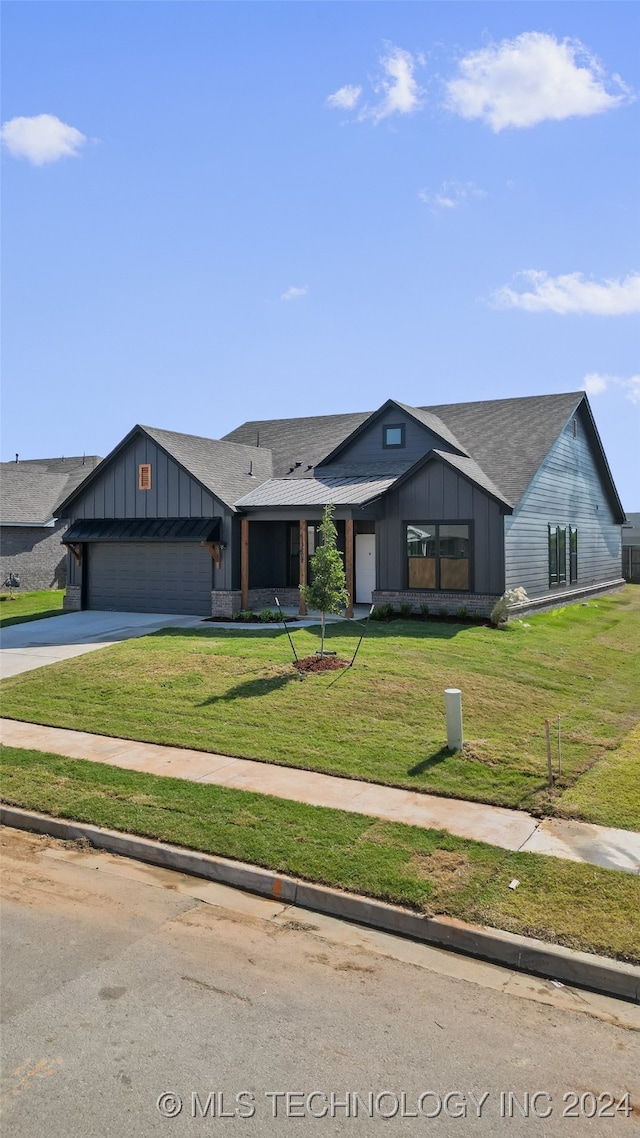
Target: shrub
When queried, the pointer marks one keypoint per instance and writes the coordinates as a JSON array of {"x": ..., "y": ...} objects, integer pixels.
[
  {"x": 406, "y": 609},
  {"x": 246, "y": 615},
  {"x": 381, "y": 612},
  {"x": 268, "y": 616},
  {"x": 424, "y": 609}
]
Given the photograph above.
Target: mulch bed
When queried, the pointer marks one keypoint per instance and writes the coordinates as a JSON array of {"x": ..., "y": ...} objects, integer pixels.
[{"x": 320, "y": 664}]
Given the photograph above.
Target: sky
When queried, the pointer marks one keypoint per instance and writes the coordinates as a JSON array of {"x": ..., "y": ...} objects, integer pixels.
[{"x": 215, "y": 212}]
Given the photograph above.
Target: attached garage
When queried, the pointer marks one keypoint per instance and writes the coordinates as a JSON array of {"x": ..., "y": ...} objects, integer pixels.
[{"x": 157, "y": 565}]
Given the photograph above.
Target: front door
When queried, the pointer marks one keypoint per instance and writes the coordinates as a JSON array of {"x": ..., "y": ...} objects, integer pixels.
[{"x": 365, "y": 567}]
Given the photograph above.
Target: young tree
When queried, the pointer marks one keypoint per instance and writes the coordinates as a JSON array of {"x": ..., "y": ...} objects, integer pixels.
[{"x": 328, "y": 590}]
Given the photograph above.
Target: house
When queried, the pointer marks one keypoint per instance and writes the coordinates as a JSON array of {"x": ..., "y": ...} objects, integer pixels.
[
  {"x": 30, "y": 530},
  {"x": 442, "y": 506},
  {"x": 631, "y": 548}
]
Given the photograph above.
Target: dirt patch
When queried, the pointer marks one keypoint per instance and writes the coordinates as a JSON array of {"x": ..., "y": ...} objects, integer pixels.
[
  {"x": 320, "y": 664},
  {"x": 442, "y": 867}
]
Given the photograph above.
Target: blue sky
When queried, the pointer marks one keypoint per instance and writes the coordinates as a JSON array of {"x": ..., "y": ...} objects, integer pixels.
[{"x": 222, "y": 211}]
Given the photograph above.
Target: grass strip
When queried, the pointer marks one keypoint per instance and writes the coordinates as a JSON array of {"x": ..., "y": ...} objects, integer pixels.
[
  {"x": 23, "y": 607},
  {"x": 580, "y": 906}
]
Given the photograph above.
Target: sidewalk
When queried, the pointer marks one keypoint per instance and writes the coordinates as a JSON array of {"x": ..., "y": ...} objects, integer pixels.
[{"x": 508, "y": 829}]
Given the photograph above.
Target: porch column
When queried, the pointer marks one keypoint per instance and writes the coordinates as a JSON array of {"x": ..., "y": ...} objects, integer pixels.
[
  {"x": 348, "y": 562},
  {"x": 244, "y": 563},
  {"x": 303, "y": 564}
]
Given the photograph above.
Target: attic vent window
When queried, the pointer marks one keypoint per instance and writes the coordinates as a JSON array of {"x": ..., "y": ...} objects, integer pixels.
[
  {"x": 144, "y": 476},
  {"x": 574, "y": 428},
  {"x": 393, "y": 435}
]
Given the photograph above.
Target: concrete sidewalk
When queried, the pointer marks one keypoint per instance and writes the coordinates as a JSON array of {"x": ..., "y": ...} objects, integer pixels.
[{"x": 508, "y": 829}]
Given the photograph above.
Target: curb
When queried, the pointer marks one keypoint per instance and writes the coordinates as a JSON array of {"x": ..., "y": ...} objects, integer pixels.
[{"x": 524, "y": 954}]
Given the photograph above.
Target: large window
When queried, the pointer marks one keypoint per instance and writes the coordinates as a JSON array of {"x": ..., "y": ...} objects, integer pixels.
[
  {"x": 558, "y": 555},
  {"x": 438, "y": 556}
]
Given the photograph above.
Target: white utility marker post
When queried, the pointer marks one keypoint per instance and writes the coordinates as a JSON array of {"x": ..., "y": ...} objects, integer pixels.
[{"x": 453, "y": 705}]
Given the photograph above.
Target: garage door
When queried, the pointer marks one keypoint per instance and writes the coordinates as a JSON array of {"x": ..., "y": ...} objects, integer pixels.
[{"x": 148, "y": 576}]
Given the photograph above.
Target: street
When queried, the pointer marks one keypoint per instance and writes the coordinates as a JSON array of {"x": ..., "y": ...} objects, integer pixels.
[{"x": 141, "y": 1002}]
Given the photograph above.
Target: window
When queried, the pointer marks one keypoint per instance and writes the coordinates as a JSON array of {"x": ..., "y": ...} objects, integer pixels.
[
  {"x": 573, "y": 554},
  {"x": 558, "y": 555},
  {"x": 574, "y": 428},
  {"x": 144, "y": 476},
  {"x": 438, "y": 556},
  {"x": 393, "y": 435}
]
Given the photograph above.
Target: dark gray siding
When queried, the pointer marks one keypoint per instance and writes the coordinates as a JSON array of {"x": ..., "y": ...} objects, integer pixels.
[
  {"x": 566, "y": 491},
  {"x": 438, "y": 494},
  {"x": 368, "y": 446},
  {"x": 174, "y": 493}
]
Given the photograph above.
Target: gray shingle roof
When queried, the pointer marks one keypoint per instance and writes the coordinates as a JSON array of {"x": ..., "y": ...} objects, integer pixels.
[
  {"x": 506, "y": 438},
  {"x": 304, "y": 441},
  {"x": 30, "y": 490},
  {"x": 470, "y": 468},
  {"x": 222, "y": 467}
]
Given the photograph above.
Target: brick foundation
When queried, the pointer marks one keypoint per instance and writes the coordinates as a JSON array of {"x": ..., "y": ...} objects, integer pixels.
[
  {"x": 225, "y": 602},
  {"x": 450, "y": 603},
  {"x": 288, "y": 596},
  {"x": 72, "y": 599}
]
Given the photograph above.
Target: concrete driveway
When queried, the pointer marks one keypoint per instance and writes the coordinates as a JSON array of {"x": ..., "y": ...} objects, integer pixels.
[{"x": 40, "y": 642}]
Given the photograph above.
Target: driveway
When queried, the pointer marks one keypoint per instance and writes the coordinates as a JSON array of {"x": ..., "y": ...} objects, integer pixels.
[{"x": 40, "y": 642}]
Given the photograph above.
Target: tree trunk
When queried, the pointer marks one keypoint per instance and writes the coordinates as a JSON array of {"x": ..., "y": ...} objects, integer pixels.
[{"x": 322, "y": 633}]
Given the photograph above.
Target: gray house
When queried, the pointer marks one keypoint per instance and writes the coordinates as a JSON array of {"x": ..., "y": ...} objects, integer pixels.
[
  {"x": 30, "y": 529},
  {"x": 631, "y": 548},
  {"x": 443, "y": 506}
]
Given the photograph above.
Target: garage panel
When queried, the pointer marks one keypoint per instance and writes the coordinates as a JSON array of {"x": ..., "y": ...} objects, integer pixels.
[{"x": 163, "y": 577}]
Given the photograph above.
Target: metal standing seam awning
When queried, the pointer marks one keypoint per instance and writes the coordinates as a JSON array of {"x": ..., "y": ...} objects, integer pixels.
[{"x": 142, "y": 529}]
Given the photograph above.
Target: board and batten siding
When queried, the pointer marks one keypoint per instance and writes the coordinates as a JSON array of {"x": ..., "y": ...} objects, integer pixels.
[
  {"x": 567, "y": 490},
  {"x": 174, "y": 494},
  {"x": 368, "y": 446},
  {"x": 436, "y": 493}
]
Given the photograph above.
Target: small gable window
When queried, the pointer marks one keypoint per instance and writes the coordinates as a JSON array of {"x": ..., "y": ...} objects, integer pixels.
[
  {"x": 144, "y": 476},
  {"x": 574, "y": 428},
  {"x": 393, "y": 435}
]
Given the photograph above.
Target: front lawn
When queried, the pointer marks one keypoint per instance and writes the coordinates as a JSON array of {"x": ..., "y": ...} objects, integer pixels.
[
  {"x": 235, "y": 691},
  {"x": 30, "y": 606},
  {"x": 580, "y": 906}
]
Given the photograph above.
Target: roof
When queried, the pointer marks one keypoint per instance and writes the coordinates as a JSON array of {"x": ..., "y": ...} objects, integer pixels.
[
  {"x": 143, "y": 529},
  {"x": 507, "y": 439},
  {"x": 341, "y": 487},
  {"x": 226, "y": 470},
  {"x": 303, "y": 441},
  {"x": 31, "y": 490},
  {"x": 631, "y": 531}
]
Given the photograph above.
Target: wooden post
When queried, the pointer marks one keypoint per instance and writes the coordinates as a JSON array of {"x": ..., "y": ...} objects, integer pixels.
[
  {"x": 348, "y": 563},
  {"x": 303, "y": 564},
  {"x": 244, "y": 564}
]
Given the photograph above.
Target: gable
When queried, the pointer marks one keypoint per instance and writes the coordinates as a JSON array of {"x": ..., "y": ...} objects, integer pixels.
[
  {"x": 397, "y": 432},
  {"x": 113, "y": 490}
]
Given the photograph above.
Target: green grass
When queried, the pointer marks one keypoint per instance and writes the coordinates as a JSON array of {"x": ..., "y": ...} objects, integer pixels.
[
  {"x": 30, "y": 606},
  {"x": 234, "y": 691},
  {"x": 580, "y": 906},
  {"x": 610, "y": 791}
]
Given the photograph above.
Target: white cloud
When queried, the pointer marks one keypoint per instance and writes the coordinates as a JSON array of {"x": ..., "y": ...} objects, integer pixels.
[
  {"x": 41, "y": 139},
  {"x": 398, "y": 86},
  {"x": 572, "y": 293},
  {"x": 294, "y": 292},
  {"x": 345, "y": 98},
  {"x": 596, "y": 384},
  {"x": 451, "y": 195},
  {"x": 531, "y": 78}
]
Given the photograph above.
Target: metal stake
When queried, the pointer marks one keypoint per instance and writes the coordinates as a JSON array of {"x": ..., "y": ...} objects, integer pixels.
[
  {"x": 286, "y": 629},
  {"x": 549, "y": 766}
]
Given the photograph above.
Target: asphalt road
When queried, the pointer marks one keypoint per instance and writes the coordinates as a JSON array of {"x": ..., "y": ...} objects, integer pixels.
[{"x": 123, "y": 984}]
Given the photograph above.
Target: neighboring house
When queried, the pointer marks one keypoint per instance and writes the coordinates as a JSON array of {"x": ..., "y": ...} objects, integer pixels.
[
  {"x": 631, "y": 548},
  {"x": 30, "y": 530},
  {"x": 442, "y": 506}
]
